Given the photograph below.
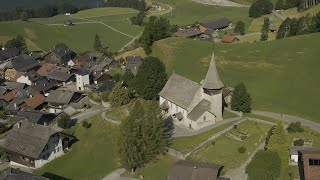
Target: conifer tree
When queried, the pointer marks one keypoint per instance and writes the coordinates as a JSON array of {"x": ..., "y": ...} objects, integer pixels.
[
  {"x": 241, "y": 100},
  {"x": 97, "y": 43},
  {"x": 265, "y": 30}
]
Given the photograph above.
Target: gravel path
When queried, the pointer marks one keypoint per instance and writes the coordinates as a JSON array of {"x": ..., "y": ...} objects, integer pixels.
[
  {"x": 116, "y": 175},
  {"x": 220, "y": 3}
]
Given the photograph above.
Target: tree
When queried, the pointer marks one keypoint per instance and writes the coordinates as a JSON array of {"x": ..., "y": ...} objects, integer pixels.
[
  {"x": 239, "y": 28},
  {"x": 298, "y": 142},
  {"x": 138, "y": 20},
  {"x": 97, "y": 46},
  {"x": 119, "y": 96},
  {"x": 295, "y": 128},
  {"x": 265, "y": 165},
  {"x": 265, "y": 30},
  {"x": 241, "y": 100},
  {"x": 64, "y": 121},
  {"x": 135, "y": 4},
  {"x": 24, "y": 16},
  {"x": 279, "y": 5},
  {"x": 270, "y": 132},
  {"x": 284, "y": 29},
  {"x": 128, "y": 78},
  {"x": 260, "y": 8},
  {"x": 17, "y": 42},
  {"x": 242, "y": 149},
  {"x": 105, "y": 96},
  {"x": 150, "y": 79},
  {"x": 85, "y": 124}
]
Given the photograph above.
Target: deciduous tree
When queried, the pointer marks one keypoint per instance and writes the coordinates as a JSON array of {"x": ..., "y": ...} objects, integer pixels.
[
  {"x": 17, "y": 42},
  {"x": 260, "y": 8},
  {"x": 24, "y": 16},
  {"x": 239, "y": 28},
  {"x": 119, "y": 96}
]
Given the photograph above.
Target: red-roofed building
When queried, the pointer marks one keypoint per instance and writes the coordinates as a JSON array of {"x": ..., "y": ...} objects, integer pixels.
[{"x": 230, "y": 39}]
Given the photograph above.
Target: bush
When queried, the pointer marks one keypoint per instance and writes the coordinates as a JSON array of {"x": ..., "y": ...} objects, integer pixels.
[
  {"x": 85, "y": 124},
  {"x": 299, "y": 142},
  {"x": 295, "y": 128},
  {"x": 242, "y": 149},
  {"x": 213, "y": 143},
  {"x": 260, "y": 8},
  {"x": 64, "y": 121},
  {"x": 235, "y": 126}
]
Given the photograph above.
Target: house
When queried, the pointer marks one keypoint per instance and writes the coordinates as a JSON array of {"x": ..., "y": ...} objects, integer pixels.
[
  {"x": 82, "y": 78},
  {"x": 79, "y": 61},
  {"x": 37, "y": 117},
  {"x": 100, "y": 77},
  {"x": 59, "y": 99},
  {"x": 106, "y": 86},
  {"x": 14, "y": 85},
  {"x": 230, "y": 39},
  {"x": 17, "y": 174},
  {"x": 133, "y": 63},
  {"x": 35, "y": 102},
  {"x": 215, "y": 24},
  {"x": 8, "y": 53},
  {"x": 111, "y": 63},
  {"x": 60, "y": 55},
  {"x": 15, "y": 105},
  {"x": 191, "y": 104},
  {"x": 9, "y": 96},
  {"x": 3, "y": 90},
  {"x": 33, "y": 145},
  {"x": 29, "y": 78},
  {"x": 188, "y": 33},
  {"x": 44, "y": 86},
  {"x": 294, "y": 153},
  {"x": 61, "y": 78},
  {"x": 310, "y": 164},
  {"x": 189, "y": 170},
  {"x": 45, "y": 69}
]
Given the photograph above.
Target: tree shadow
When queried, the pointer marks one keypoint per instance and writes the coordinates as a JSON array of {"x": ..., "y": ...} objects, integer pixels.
[
  {"x": 170, "y": 126},
  {"x": 54, "y": 176}
]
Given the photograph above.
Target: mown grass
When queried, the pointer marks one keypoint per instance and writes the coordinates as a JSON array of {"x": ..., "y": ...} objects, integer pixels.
[
  {"x": 228, "y": 115},
  {"x": 279, "y": 75},
  {"x": 186, "y": 144},
  {"x": 224, "y": 150},
  {"x": 106, "y": 11},
  {"x": 294, "y": 13},
  {"x": 92, "y": 157}
]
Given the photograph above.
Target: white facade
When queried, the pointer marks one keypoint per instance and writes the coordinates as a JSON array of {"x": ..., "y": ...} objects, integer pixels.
[
  {"x": 82, "y": 80},
  {"x": 24, "y": 79},
  {"x": 294, "y": 158}
]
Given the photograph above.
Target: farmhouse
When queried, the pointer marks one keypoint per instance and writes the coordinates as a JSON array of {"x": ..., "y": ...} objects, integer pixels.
[
  {"x": 191, "y": 104},
  {"x": 189, "y": 170},
  {"x": 34, "y": 145},
  {"x": 7, "y": 53},
  {"x": 133, "y": 63},
  {"x": 35, "y": 117},
  {"x": 230, "y": 39},
  {"x": 60, "y": 55},
  {"x": 58, "y": 100},
  {"x": 215, "y": 24},
  {"x": 188, "y": 33}
]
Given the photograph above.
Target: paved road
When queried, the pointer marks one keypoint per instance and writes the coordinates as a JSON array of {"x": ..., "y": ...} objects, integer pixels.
[
  {"x": 88, "y": 113},
  {"x": 116, "y": 175},
  {"x": 288, "y": 118}
]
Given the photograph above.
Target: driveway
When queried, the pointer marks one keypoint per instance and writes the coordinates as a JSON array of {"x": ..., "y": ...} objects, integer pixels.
[
  {"x": 88, "y": 113},
  {"x": 116, "y": 175}
]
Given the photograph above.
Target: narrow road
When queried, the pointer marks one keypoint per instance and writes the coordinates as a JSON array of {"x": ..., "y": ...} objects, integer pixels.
[
  {"x": 116, "y": 175},
  {"x": 88, "y": 113}
]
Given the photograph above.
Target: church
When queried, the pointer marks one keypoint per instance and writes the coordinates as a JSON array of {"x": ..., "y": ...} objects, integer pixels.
[{"x": 191, "y": 104}]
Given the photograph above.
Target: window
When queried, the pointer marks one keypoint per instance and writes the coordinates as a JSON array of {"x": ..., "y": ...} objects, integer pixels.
[
  {"x": 204, "y": 118},
  {"x": 314, "y": 162}
]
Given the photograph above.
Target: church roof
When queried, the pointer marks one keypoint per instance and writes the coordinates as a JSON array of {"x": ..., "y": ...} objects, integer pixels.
[
  {"x": 199, "y": 110},
  {"x": 212, "y": 80},
  {"x": 180, "y": 90}
]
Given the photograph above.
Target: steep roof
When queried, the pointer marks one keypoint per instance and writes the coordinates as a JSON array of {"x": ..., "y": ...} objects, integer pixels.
[
  {"x": 24, "y": 63},
  {"x": 62, "y": 51},
  {"x": 106, "y": 86},
  {"x": 59, "y": 76},
  {"x": 35, "y": 101},
  {"x": 189, "y": 170},
  {"x": 29, "y": 139},
  {"x": 180, "y": 90},
  {"x": 9, "y": 96},
  {"x": 60, "y": 97},
  {"x": 188, "y": 32},
  {"x": 16, "y": 174},
  {"x": 45, "y": 69},
  {"x": 199, "y": 110},
  {"x": 212, "y": 80},
  {"x": 8, "y": 53},
  {"x": 14, "y": 85},
  {"x": 216, "y": 23},
  {"x": 43, "y": 86}
]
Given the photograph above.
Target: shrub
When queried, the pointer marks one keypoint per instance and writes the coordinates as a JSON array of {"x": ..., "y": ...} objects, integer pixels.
[
  {"x": 242, "y": 149},
  {"x": 85, "y": 124},
  {"x": 260, "y": 8},
  {"x": 298, "y": 142},
  {"x": 235, "y": 126},
  {"x": 213, "y": 143},
  {"x": 295, "y": 127},
  {"x": 64, "y": 121}
]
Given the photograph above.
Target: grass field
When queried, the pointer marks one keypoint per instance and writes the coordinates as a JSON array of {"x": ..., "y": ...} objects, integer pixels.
[
  {"x": 294, "y": 13},
  {"x": 225, "y": 149},
  {"x": 185, "y": 144},
  {"x": 257, "y": 23},
  {"x": 92, "y": 157},
  {"x": 107, "y": 11},
  {"x": 280, "y": 75}
]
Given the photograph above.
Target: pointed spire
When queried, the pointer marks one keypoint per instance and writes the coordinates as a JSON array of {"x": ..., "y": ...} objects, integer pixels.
[{"x": 212, "y": 80}]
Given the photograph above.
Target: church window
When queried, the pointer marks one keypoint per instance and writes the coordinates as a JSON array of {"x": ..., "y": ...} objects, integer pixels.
[{"x": 204, "y": 118}]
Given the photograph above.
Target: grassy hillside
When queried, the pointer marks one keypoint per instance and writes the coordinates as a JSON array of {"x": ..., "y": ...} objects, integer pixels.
[
  {"x": 282, "y": 75},
  {"x": 187, "y": 12},
  {"x": 294, "y": 13}
]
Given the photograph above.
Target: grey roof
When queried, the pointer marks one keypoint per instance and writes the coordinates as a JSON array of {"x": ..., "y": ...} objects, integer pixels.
[
  {"x": 59, "y": 76},
  {"x": 43, "y": 86},
  {"x": 60, "y": 97},
  {"x": 199, "y": 110},
  {"x": 16, "y": 174},
  {"x": 29, "y": 139},
  {"x": 8, "y": 53},
  {"x": 70, "y": 111},
  {"x": 164, "y": 105},
  {"x": 134, "y": 59},
  {"x": 82, "y": 72},
  {"x": 212, "y": 80},
  {"x": 62, "y": 51},
  {"x": 24, "y": 63},
  {"x": 106, "y": 86},
  {"x": 216, "y": 23},
  {"x": 294, "y": 149},
  {"x": 14, "y": 104},
  {"x": 14, "y": 85},
  {"x": 189, "y": 170},
  {"x": 180, "y": 90},
  {"x": 34, "y": 117},
  {"x": 3, "y": 90},
  {"x": 190, "y": 32}
]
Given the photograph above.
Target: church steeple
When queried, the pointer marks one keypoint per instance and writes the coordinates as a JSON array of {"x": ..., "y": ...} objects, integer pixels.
[{"x": 212, "y": 80}]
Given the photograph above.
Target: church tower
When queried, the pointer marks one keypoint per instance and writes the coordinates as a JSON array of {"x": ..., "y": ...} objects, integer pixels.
[{"x": 212, "y": 89}]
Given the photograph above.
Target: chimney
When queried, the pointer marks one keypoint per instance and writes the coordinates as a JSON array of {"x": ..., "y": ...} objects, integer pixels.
[{"x": 19, "y": 124}]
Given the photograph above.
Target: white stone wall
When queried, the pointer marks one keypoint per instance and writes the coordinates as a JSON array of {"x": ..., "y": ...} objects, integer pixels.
[
  {"x": 294, "y": 158},
  {"x": 82, "y": 81},
  {"x": 173, "y": 108},
  {"x": 24, "y": 79},
  {"x": 54, "y": 149},
  {"x": 215, "y": 104},
  {"x": 205, "y": 120}
]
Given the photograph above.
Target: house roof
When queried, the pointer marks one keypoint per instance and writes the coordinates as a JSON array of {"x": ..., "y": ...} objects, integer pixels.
[
  {"x": 226, "y": 91},
  {"x": 82, "y": 72},
  {"x": 106, "y": 86},
  {"x": 8, "y": 53},
  {"x": 59, "y": 76},
  {"x": 14, "y": 105},
  {"x": 188, "y": 32},
  {"x": 70, "y": 111},
  {"x": 43, "y": 86},
  {"x": 60, "y": 97},
  {"x": 45, "y": 69},
  {"x": 134, "y": 59},
  {"x": 295, "y": 149},
  {"x": 35, "y": 101},
  {"x": 17, "y": 174},
  {"x": 216, "y": 23},
  {"x": 165, "y": 105},
  {"x": 212, "y": 80},
  {"x": 199, "y": 110},
  {"x": 189, "y": 170},
  {"x": 3, "y": 90},
  {"x": 62, "y": 50},
  {"x": 29, "y": 139},
  {"x": 228, "y": 38},
  {"x": 15, "y": 85},
  {"x": 9, "y": 96},
  {"x": 32, "y": 75},
  {"x": 24, "y": 63},
  {"x": 180, "y": 90}
]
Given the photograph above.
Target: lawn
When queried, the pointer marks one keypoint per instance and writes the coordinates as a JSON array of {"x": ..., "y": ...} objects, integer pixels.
[
  {"x": 224, "y": 150},
  {"x": 294, "y": 13},
  {"x": 279, "y": 75},
  {"x": 255, "y": 37},
  {"x": 118, "y": 113},
  {"x": 228, "y": 115},
  {"x": 310, "y": 137},
  {"x": 106, "y": 11},
  {"x": 188, "y": 12},
  {"x": 59, "y": 19},
  {"x": 92, "y": 157},
  {"x": 257, "y": 23},
  {"x": 186, "y": 144},
  {"x": 158, "y": 170}
]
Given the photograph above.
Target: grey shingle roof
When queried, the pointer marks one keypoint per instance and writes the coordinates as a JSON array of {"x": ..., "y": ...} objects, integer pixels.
[
  {"x": 8, "y": 53},
  {"x": 59, "y": 76},
  {"x": 198, "y": 111},
  {"x": 29, "y": 139},
  {"x": 14, "y": 85},
  {"x": 16, "y": 174},
  {"x": 216, "y": 23},
  {"x": 62, "y": 51},
  {"x": 212, "y": 80},
  {"x": 180, "y": 90},
  {"x": 60, "y": 97},
  {"x": 24, "y": 63}
]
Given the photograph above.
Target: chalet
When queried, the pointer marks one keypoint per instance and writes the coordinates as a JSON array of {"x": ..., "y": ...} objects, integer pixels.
[
  {"x": 60, "y": 55},
  {"x": 36, "y": 117},
  {"x": 17, "y": 174},
  {"x": 58, "y": 100},
  {"x": 14, "y": 85},
  {"x": 309, "y": 163},
  {"x": 79, "y": 61},
  {"x": 133, "y": 63},
  {"x": 188, "y": 33},
  {"x": 44, "y": 86},
  {"x": 82, "y": 78},
  {"x": 35, "y": 102},
  {"x": 215, "y": 24},
  {"x": 9, "y": 96},
  {"x": 8, "y": 53},
  {"x": 189, "y": 170},
  {"x": 191, "y": 104},
  {"x": 230, "y": 39},
  {"x": 33, "y": 145},
  {"x": 111, "y": 63},
  {"x": 106, "y": 86},
  {"x": 15, "y": 105},
  {"x": 61, "y": 78},
  {"x": 45, "y": 69},
  {"x": 100, "y": 77},
  {"x": 29, "y": 78}
]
